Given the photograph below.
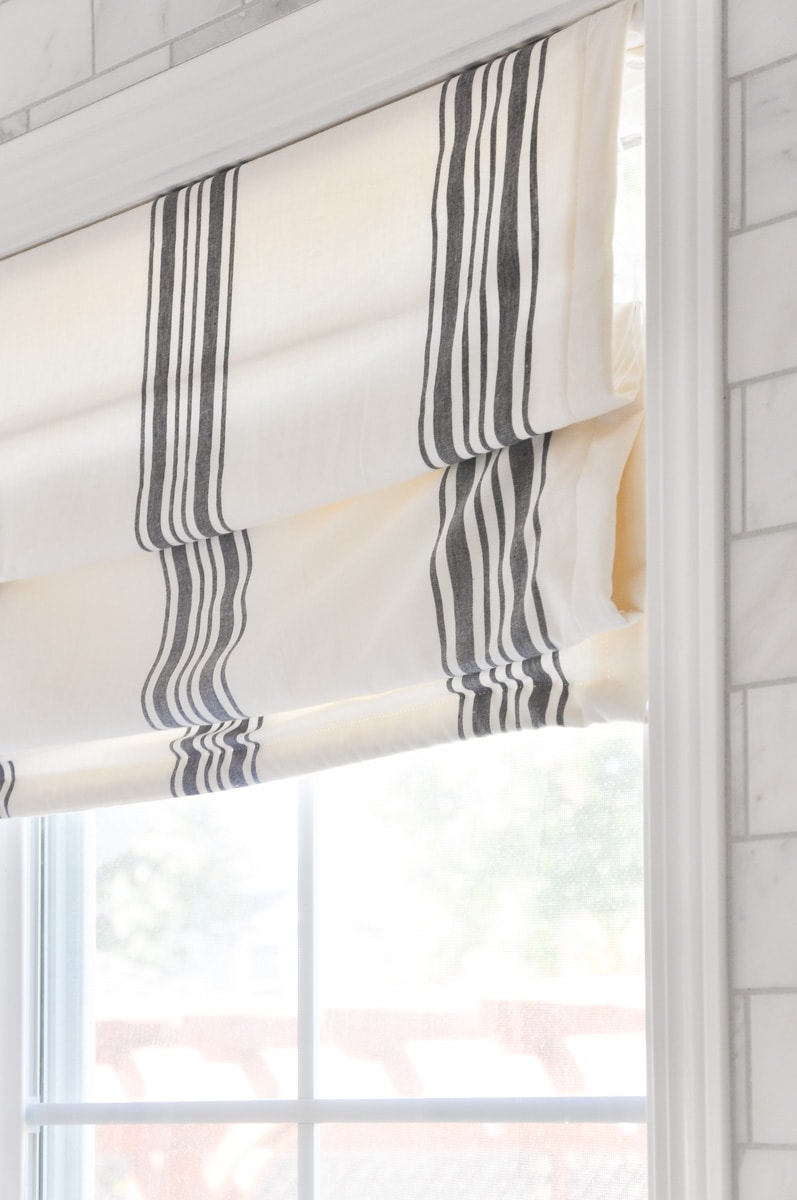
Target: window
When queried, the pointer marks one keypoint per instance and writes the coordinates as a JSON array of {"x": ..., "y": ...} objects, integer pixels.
[
  {"x": 470, "y": 960},
  {"x": 685, "y": 848}
]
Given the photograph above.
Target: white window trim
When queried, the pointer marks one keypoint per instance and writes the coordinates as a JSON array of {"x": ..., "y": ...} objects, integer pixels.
[{"x": 326, "y": 62}]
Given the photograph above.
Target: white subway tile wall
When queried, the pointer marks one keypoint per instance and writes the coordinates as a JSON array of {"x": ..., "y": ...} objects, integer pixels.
[
  {"x": 765, "y": 886},
  {"x": 768, "y": 1174},
  {"x": 761, "y": 159},
  {"x": 772, "y": 748},
  {"x": 59, "y": 55},
  {"x": 770, "y": 115},
  {"x": 763, "y": 574},
  {"x": 773, "y": 1062},
  {"x": 741, "y": 1053}
]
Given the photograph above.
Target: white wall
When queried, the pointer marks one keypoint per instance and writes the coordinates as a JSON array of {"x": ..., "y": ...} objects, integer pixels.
[
  {"x": 762, "y": 533},
  {"x": 59, "y": 55}
]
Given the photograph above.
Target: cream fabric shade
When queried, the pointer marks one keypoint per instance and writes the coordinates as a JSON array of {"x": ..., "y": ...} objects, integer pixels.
[{"x": 327, "y": 455}]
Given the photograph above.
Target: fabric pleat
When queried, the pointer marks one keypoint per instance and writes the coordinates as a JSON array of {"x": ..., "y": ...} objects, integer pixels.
[{"x": 330, "y": 454}]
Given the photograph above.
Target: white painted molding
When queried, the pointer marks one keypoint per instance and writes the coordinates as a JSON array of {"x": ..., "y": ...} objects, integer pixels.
[
  {"x": 15, "y": 1007},
  {"x": 688, "y": 1041},
  {"x": 303, "y": 72}
]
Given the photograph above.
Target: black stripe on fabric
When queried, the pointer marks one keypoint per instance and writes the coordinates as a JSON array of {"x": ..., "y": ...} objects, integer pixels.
[
  {"x": 460, "y": 569},
  {"x": 521, "y": 461},
  {"x": 177, "y": 424},
  {"x": 506, "y": 285},
  {"x": 204, "y": 620},
  {"x": 434, "y": 574},
  {"x": 535, "y": 236},
  {"x": 145, "y": 380},
  {"x": 189, "y": 400},
  {"x": 435, "y": 254},
  {"x": 455, "y": 216},
  {"x": 213, "y": 758},
  {"x": 484, "y": 542},
  {"x": 236, "y": 558},
  {"x": 159, "y": 417},
  {"x": 483, "y": 297},
  {"x": 565, "y": 693},
  {"x": 466, "y": 384},
  {"x": 209, "y": 456},
  {"x": 537, "y": 525},
  {"x": 542, "y": 686},
  {"x": 183, "y": 418},
  {"x": 508, "y": 253},
  {"x": 8, "y": 778},
  {"x": 505, "y": 660}
]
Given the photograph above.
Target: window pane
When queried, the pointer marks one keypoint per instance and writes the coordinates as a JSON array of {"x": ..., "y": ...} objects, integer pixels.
[
  {"x": 481, "y": 919},
  {"x": 191, "y": 986},
  {"x": 195, "y": 1162},
  {"x": 471, "y": 1162}
]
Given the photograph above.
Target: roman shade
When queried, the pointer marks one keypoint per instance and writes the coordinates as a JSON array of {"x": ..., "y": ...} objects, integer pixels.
[{"x": 331, "y": 454}]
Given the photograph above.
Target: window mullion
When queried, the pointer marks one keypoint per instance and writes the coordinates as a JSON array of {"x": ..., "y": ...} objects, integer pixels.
[
  {"x": 67, "y": 997},
  {"x": 307, "y": 1005}
]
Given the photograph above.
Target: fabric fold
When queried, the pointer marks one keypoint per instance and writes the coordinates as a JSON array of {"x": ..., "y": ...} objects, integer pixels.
[
  {"x": 409, "y": 289},
  {"x": 331, "y": 454}
]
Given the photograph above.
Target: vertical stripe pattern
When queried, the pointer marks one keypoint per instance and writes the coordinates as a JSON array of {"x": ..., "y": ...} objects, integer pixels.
[
  {"x": 7, "y": 780},
  {"x": 216, "y": 758},
  {"x": 204, "y": 619},
  {"x": 206, "y": 566},
  {"x": 485, "y": 224},
  {"x": 186, "y": 355},
  {"x": 491, "y": 620}
]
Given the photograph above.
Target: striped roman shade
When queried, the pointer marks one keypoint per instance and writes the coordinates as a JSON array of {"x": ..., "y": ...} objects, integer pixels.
[{"x": 332, "y": 454}]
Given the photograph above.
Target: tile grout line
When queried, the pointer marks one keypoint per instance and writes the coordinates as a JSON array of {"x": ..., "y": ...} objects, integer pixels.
[
  {"x": 762, "y": 68},
  {"x": 751, "y": 839},
  {"x": 742, "y": 155},
  {"x": 780, "y": 835},
  {"x": 746, "y": 380},
  {"x": 748, "y": 1054},
  {"x": 789, "y": 215},
  {"x": 777, "y": 990},
  {"x": 764, "y": 531},
  {"x": 745, "y": 765},
  {"x": 751, "y": 684},
  {"x": 743, "y": 454}
]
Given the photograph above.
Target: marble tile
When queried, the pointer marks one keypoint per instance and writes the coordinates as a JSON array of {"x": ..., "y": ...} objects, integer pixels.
[
  {"x": 768, "y": 1174},
  {"x": 771, "y": 462},
  {"x": 13, "y": 126},
  {"x": 124, "y": 30},
  {"x": 735, "y": 156},
  {"x": 100, "y": 86},
  {"x": 45, "y": 46},
  {"x": 759, "y": 32},
  {"x": 736, "y": 460},
  {"x": 762, "y": 301},
  {"x": 772, "y": 749},
  {"x": 773, "y": 1059},
  {"x": 763, "y": 901},
  {"x": 763, "y": 594},
  {"x": 737, "y": 735},
  {"x": 255, "y": 14},
  {"x": 771, "y": 145},
  {"x": 741, "y": 1121}
]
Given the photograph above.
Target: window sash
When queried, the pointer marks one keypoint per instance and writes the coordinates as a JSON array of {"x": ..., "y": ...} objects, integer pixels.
[{"x": 67, "y": 1164}]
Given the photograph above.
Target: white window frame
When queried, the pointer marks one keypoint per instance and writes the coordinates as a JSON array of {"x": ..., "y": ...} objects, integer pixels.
[{"x": 304, "y": 72}]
